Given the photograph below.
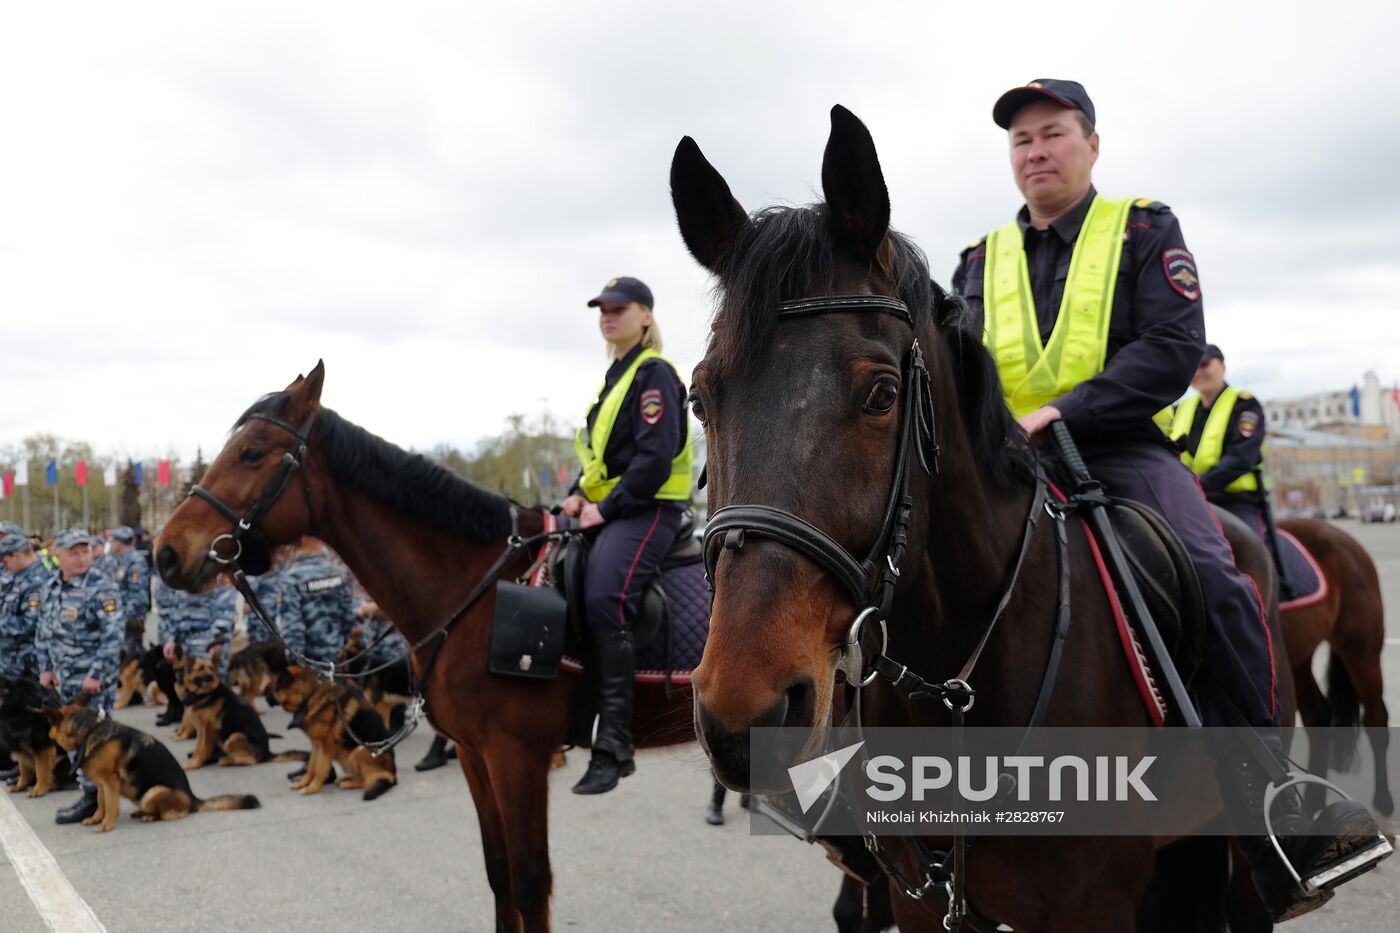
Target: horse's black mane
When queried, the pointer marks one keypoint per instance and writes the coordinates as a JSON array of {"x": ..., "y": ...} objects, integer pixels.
[
  {"x": 791, "y": 252},
  {"x": 409, "y": 482}
]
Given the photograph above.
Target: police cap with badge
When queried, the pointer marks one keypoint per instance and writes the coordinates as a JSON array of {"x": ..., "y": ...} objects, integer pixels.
[
  {"x": 623, "y": 290},
  {"x": 1069, "y": 94},
  {"x": 13, "y": 544},
  {"x": 72, "y": 537}
]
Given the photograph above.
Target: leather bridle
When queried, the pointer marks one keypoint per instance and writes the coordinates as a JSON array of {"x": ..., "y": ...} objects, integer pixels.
[
  {"x": 870, "y": 582},
  {"x": 245, "y": 527}
]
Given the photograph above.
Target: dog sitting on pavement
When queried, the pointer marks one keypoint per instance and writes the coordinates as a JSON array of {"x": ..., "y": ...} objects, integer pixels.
[
  {"x": 225, "y": 726},
  {"x": 123, "y": 761},
  {"x": 337, "y": 718}
]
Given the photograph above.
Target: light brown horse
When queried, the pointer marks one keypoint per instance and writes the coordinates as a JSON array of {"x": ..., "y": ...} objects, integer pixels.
[
  {"x": 1351, "y": 620},
  {"x": 419, "y": 539}
]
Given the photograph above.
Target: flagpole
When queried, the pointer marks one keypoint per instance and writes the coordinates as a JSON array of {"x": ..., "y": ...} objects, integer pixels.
[
  {"x": 55, "y": 508},
  {"x": 87, "y": 525}
]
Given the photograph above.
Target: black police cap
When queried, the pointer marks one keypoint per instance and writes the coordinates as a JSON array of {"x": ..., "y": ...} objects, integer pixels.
[
  {"x": 1069, "y": 94},
  {"x": 1212, "y": 353},
  {"x": 623, "y": 290}
]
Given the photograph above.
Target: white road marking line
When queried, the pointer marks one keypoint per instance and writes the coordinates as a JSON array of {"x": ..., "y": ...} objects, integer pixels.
[{"x": 58, "y": 903}]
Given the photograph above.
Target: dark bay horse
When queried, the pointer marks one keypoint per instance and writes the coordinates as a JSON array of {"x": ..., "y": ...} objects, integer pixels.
[
  {"x": 1350, "y": 619},
  {"x": 419, "y": 539},
  {"x": 803, "y": 417}
]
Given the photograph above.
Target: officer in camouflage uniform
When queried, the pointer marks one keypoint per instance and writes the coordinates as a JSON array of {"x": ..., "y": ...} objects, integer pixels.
[
  {"x": 133, "y": 576},
  {"x": 20, "y": 601},
  {"x": 268, "y": 589},
  {"x": 80, "y": 640},
  {"x": 104, "y": 558},
  {"x": 317, "y": 613},
  {"x": 201, "y": 624},
  {"x": 8, "y": 528}
]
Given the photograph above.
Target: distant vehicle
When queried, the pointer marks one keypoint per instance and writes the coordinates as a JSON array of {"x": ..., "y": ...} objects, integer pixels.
[{"x": 1388, "y": 513}]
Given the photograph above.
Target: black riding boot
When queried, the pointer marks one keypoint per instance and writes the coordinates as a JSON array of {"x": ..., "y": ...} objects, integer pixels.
[
  {"x": 612, "y": 748},
  {"x": 1341, "y": 843},
  {"x": 437, "y": 755},
  {"x": 85, "y": 807}
]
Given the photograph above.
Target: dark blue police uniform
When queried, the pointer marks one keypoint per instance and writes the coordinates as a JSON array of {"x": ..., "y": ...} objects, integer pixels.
[{"x": 1156, "y": 334}]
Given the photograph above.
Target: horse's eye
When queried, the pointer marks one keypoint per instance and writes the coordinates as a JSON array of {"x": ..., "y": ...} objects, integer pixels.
[
  {"x": 882, "y": 396},
  {"x": 251, "y": 455},
  {"x": 697, "y": 407}
]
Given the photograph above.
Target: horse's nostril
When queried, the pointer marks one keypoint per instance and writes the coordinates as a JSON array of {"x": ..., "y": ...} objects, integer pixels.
[
  {"x": 167, "y": 562},
  {"x": 801, "y": 704}
]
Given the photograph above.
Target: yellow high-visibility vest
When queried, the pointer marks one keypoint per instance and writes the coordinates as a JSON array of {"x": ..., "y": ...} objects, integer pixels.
[
  {"x": 596, "y": 483},
  {"x": 1212, "y": 444},
  {"x": 1032, "y": 374}
]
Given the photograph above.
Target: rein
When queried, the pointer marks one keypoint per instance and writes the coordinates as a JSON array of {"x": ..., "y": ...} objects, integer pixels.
[
  {"x": 245, "y": 526},
  {"x": 871, "y": 584}
]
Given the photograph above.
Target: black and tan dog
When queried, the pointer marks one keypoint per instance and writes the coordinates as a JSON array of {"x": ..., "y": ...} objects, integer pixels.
[
  {"x": 336, "y": 717},
  {"x": 24, "y": 731},
  {"x": 123, "y": 761},
  {"x": 252, "y": 670},
  {"x": 388, "y": 690},
  {"x": 225, "y": 727},
  {"x": 138, "y": 676}
]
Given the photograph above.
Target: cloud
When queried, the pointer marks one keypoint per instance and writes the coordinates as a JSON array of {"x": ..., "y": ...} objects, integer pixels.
[{"x": 200, "y": 201}]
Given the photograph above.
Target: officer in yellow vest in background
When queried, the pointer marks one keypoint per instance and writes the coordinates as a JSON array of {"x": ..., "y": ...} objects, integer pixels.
[
  {"x": 635, "y": 452},
  {"x": 1091, "y": 307},
  {"x": 1221, "y": 434}
]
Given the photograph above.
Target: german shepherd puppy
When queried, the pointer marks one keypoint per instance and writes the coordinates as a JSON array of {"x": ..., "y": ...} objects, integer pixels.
[
  {"x": 252, "y": 670},
  {"x": 225, "y": 727},
  {"x": 123, "y": 761},
  {"x": 138, "y": 676},
  {"x": 24, "y": 731},
  {"x": 328, "y": 713}
]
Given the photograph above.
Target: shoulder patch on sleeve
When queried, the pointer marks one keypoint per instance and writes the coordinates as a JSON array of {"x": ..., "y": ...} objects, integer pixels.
[
  {"x": 1248, "y": 424},
  {"x": 652, "y": 406},
  {"x": 1179, "y": 266}
]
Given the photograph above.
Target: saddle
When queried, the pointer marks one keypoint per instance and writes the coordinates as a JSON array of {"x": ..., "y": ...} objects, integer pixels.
[
  {"x": 568, "y": 567},
  {"x": 1167, "y": 579},
  {"x": 541, "y": 626}
]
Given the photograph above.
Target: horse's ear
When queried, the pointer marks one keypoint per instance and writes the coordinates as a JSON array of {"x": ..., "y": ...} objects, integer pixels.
[
  {"x": 306, "y": 390},
  {"x": 856, "y": 196},
  {"x": 709, "y": 216}
]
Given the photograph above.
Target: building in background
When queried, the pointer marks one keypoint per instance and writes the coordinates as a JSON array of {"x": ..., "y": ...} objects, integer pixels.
[{"x": 1336, "y": 450}]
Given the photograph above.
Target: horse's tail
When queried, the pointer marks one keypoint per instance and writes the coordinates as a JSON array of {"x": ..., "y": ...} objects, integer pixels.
[{"x": 1346, "y": 713}]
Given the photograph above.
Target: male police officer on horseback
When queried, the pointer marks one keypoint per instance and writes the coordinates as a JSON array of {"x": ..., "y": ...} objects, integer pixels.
[
  {"x": 1092, "y": 308},
  {"x": 1221, "y": 433}
]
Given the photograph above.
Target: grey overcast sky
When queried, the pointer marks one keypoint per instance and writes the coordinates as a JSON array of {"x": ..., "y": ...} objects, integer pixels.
[{"x": 198, "y": 201}]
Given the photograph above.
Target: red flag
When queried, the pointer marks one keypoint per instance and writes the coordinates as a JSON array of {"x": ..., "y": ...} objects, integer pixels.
[
  {"x": 1395, "y": 394},
  {"x": 163, "y": 473},
  {"x": 80, "y": 472},
  {"x": 9, "y": 484},
  {"x": 563, "y": 476}
]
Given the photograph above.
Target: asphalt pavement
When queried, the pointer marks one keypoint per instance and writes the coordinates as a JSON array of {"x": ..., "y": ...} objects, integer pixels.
[{"x": 640, "y": 858}]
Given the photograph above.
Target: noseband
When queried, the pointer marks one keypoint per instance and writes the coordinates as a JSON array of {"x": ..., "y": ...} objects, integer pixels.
[
  {"x": 869, "y": 582},
  {"x": 245, "y": 526}
]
